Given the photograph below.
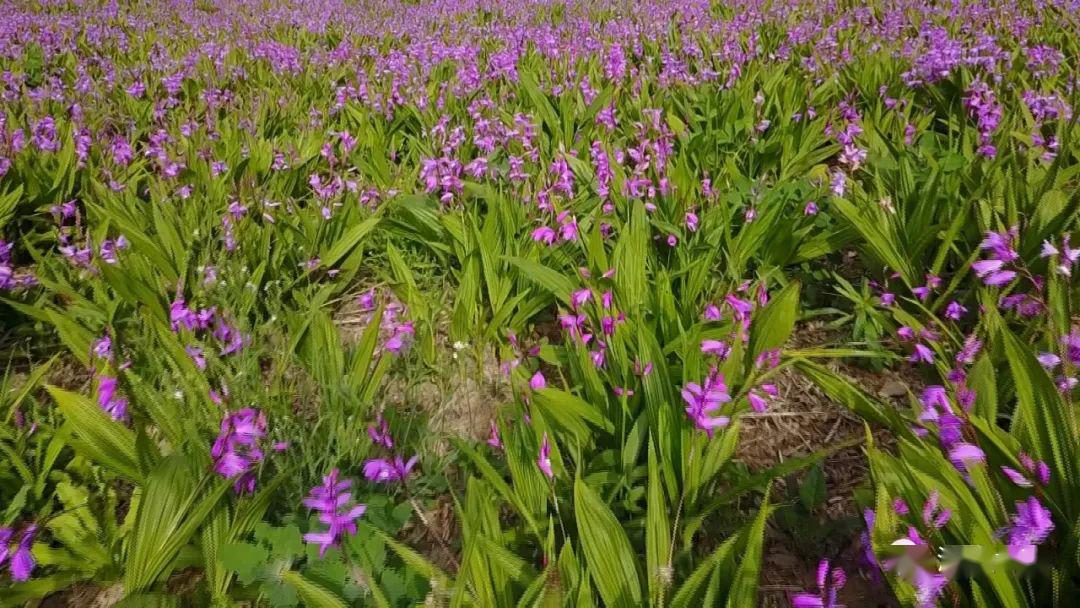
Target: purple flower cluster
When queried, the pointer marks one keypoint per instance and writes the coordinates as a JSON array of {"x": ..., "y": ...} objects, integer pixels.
[
  {"x": 332, "y": 503},
  {"x": 1031, "y": 526},
  {"x": 386, "y": 470},
  {"x": 182, "y": 317},
  {"x": 395, "y": 332},
  {"x": 10, "y": 279},
  {"x": 983, "y": 106},
  {"x": 236, "y": 451},
  {"x": 107, "y": 383},
  {"x": 994, "y": 270},
  {"x": 703, "y": 401}
]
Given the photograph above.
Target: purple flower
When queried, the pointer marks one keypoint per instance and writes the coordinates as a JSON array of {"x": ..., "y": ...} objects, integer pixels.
[
  {"x": 236, "y": 450},
  {"x": 382, "y": 470},
  {"x": 1030, "y": 527},
  {"x": 715, "y": 347},
  {"x": 232, "y": 338},
  {"x": 180, "y": 315},
  {"x": 5, "y": 542},
  {"x": 196, "y": 354},
  {"x": 1000, "y": 278},
  {"x": 691, "y": 221},
  {"x": 494, "y": 440},
  {"x": 544, "y": 234},
  {"x": 381, "y": 435},
  {"x": 22, "y": 560},
  {"x": 955, "y": 310},
  {"x": 537, "y": 381},
  {"x": 1016, "y": 477},
  {"x": 703, "y": 401},
  {"x": 963, "y": 455},
  {"x": 828, "y": 583},
  {"x": 579, "y": 298},
  {"x": 1048, "y": 360},
  {"x": 928, "y": 586},
  {"x": 543, "y": 460},
  {"x": 922, "y": 353},
  {"x": 113, "y": 405},
  {"x": 932, "y": 515},
  {"x": 332, "y": 502},
  {"x": 1071, "y": 343},
  {"x": 712, "y": 313}
]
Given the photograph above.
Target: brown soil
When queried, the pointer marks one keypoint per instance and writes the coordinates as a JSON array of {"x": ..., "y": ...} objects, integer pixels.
[{"x": 801, "y": 421}]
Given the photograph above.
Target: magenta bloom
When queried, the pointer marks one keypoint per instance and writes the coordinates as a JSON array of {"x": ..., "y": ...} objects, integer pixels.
[
  {"x": 236, "y": 450},
  {"x": 494, "y": 440},
  {"x": 829, "y": 584},
  {"x": 545, "y": 235},
  {"x": 955, "y": 310},
  {"x": 715, "y": 347},
  {"x": 382, "y": 470},
  {"x": 537, "y": 381},
  {"x": 579, "y": 298},
  {"x": 544, "y": 459},
  {"x": 381, "y": 435},
  {"x": 196, "y": 354},
  {"x": 332, "y": 502},
  {"x": 691, "y": 221},
  {"x": 21, "y": 561},
  {"x": 922, "y": 353},
  {"x": 114, "y": 406},
  {"x": 963, "y": 455},
  {"x": 760, "y": 400},
  {"x": 712, "y": 313},
  {"x": 1030, "y": 527},
  {"x": 703, "y": 401}
]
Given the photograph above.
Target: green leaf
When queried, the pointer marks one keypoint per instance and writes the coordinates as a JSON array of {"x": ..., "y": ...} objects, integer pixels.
[
  {"x": 608, "y": 553},
  {"x": 245, "y": 559},
  {"x": 657, "y": 531},
  {"x": 312, "y": 594},
  {"x": 1043, "y": 421},
  {"x": 341, "y": 248},
  {"x": 97, "y": 436},
  {"x": 812, "y": 491},
  {"x": 171, "y": 509},
  {"x": 559, "y": 285},
  {"x": 744, "y": 588},
  {"x": 569, "y": 412},
  {"x": 688, "y": 592},
  {"x": 772, "y": 326}
]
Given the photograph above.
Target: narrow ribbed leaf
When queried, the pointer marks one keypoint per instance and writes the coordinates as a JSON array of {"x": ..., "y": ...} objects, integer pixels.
[
  {"x": 608, "y": 554},
  {"x": 97, "y": 436}
]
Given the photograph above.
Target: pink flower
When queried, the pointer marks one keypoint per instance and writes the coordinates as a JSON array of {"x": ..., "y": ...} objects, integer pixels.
[
  {"x": 537, "y": 381},
  {"x": 715, "y": 347},
  {"x": 381, "y": 470},
  {"x": 691, "y": 221},
  {"x": 332, "y": 502},
  {"x": 580, "y": 297},
  {"x": 544, "y": 459},
  {"x": 544, "y": 234},
  {"x": 494, "y": 440}
]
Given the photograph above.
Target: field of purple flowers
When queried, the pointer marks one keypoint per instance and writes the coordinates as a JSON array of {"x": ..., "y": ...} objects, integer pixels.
[{"x": 483, "y": 303}]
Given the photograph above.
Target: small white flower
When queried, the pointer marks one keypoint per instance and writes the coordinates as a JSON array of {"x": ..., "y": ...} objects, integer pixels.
[{"x": 459, "y": 345}]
